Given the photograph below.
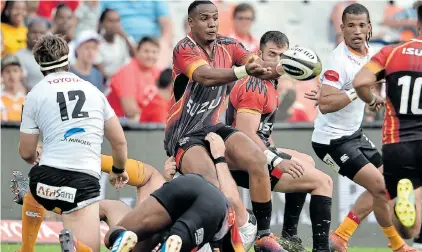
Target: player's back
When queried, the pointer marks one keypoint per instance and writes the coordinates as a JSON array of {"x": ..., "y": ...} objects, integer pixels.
[
  {"x": 70, "y": 113},
  {"x": 403, "y": 74}
]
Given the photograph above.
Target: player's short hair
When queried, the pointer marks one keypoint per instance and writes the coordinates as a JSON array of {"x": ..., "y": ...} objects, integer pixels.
[
  {"x": 243, "y": 7},
  {"x": 196, "y": 3},
  {"x": 51, "y": 53},
  {"x": 276, "y": 37},
  {"x": 147, "y": 39},
  {"x": 357, "y": 9},
  {"x": 418, "y": 8},
  {"x": 165, "y": 78}
]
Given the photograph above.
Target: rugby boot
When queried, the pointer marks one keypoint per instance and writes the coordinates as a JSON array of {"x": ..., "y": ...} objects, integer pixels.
[
  {"x": 125, "y": 242},
  {"x": 172, "y": 244},
  {"x": 337, "y": 243},
  {"x": 66, "y": 241},
  {"x": 291, "y": 243},
  {"x": 405, "y": 203},
  {"x": 269, "y": 243},
  {"x": 19, "y": 186},
  {"x": 406, "y": 248}
]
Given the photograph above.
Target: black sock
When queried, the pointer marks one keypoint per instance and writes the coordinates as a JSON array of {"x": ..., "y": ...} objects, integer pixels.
[
  {"x": 292, "y": 209},
  {"x": 320, "y": 211},
  {"x": 262, "y": 212},
  {"x": 182, "y": 230}
]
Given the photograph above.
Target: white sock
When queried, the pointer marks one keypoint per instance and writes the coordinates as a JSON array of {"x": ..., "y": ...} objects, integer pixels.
[{"x": 248, "y": 233}]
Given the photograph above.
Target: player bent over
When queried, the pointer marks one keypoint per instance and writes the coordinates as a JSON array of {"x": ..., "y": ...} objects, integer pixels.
[
  {"x": 402, "y": 128},
  {"x": 338, "y": 139},
  {"x": 189, "y": 211},
  {"x": 73, "y": 116}
]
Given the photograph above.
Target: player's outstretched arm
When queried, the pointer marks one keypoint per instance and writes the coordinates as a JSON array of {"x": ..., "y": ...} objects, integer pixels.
[
  {"x": 331, "y": 99},
  {"x": 208, "y": 76}
]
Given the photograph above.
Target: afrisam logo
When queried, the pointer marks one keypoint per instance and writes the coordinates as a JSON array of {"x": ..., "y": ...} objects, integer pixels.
[
  {"x": 254, "y": 84},
  {"x": 63, "y": 193},
  {"x": 74, "y": 131}
]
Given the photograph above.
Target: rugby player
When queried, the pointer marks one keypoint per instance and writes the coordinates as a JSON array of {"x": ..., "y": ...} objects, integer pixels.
[
  {"x": 202, "y": 68},
  {"x": 188, "y": 211},
  {"x": 73, "y": 117},
  {"x": 252, "y": 107},
  {"x": 338, "y": 139},
  {"x": 402, "y": 128},
  {"x": 141, "y": 175}
]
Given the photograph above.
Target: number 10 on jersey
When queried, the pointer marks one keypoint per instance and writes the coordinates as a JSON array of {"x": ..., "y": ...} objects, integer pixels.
[
  {"x": 406, "y": 82},
  {"x": 77, "y": 95}
]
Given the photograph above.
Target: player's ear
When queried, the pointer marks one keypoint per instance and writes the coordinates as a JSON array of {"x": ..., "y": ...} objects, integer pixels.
[
  {"x": 419, "y": 28},
  {"x": 190, "y": 21},
  {"x": 259, "y": 53},
  {"x": 342, "y": 27}
]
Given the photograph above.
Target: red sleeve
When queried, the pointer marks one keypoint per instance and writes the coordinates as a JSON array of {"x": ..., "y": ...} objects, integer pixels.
[
  {"x": 187, "y": 57},
  {"x": 380, "y": 60},
  {"x": 251, "y": 95},
  {"x": 240, "y": 55}
]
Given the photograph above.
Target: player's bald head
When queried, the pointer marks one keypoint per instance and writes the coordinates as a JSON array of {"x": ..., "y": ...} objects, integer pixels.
[{"x": 195, "y": 5}]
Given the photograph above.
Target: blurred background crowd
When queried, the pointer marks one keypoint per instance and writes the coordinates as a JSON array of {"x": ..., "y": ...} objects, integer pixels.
[{"x": 124, "y": 48}]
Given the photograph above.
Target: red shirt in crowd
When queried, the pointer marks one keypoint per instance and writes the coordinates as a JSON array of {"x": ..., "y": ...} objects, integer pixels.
[
  {"x": 131, "y": 81},
  {"x": 46, "y": 8}
]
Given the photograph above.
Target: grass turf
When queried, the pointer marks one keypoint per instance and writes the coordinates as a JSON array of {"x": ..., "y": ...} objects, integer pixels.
[{"x": 54, "y": 248}]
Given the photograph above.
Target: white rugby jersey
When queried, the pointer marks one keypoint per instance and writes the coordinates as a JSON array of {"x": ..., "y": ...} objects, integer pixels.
[
  {"x": 70, "y": 113},
  {"x": 339, "y": 72}
]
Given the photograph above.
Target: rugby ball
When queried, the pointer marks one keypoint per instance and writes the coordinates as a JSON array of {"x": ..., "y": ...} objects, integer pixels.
[{"x": 301, "y": 63}]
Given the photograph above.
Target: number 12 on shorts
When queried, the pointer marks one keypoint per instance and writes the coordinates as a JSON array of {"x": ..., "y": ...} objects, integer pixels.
[
  {"x": 77, "y": 111},
  {"x": 406, "y": 82}
]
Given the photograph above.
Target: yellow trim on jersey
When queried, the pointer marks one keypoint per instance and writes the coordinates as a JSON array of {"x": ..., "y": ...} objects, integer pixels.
[
  {"x": 193, "y": 66},
  {"x": 374, "y": 67},
  {"x": 250, "y": 111}
]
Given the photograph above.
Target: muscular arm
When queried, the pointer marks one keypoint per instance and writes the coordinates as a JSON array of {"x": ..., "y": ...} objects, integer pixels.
[
  {"x": 331, "y": 99},
  {"x": 363, "y": 82},
  {"x": 28, "y": 147},
  {"x": 208, "y": 76},
  {"x": 152, "y": 181},
  {"x": 248, "y": 123},
  {"x": 227, "y": 184}
]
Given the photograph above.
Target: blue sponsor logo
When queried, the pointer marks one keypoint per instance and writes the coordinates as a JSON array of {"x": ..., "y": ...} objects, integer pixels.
[{"x": 72, "y": 132}]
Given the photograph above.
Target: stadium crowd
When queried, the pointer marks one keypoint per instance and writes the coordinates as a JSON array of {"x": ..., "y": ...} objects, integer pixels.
[{"x": 124, "y": 49}]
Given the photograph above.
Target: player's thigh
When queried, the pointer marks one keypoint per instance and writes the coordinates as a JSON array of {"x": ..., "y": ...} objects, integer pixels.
[
  {"x": 85, "y": 225},
  {"x": 243, "y": 154},
  {"x": 299, "y": 155},
  {"x": 312, "y": 179},
  {"x": 206, "y": 217},
  {"x": 371, "y": 152},
  {"x": 344, "y": 157},
  {"x": 192, "y": 156},
  {"x": 112, "y": 211}
]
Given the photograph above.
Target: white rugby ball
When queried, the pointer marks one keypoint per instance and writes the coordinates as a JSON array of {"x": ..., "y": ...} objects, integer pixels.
[{"x": 301, "y": 63}]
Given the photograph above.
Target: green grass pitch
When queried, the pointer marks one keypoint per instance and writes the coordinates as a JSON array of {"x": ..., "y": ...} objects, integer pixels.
[{"x": 54, "y": 248}]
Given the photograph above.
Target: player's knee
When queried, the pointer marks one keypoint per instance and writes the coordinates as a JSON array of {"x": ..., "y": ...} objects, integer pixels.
[
  {"x": 308, "y": 159},
  {"x": 326, "y": 182},
  {"x": 257, "y": 162},
  {"x": 378, "y": 189}
]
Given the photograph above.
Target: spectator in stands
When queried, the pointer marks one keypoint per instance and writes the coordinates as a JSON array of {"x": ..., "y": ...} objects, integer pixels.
[
  {"x": 405, "y": 22},
  {"x": 32, "y": 13},
  {"x": 134, "y": 86},
  {"x": 336, "y": 35},
  {"x": 46, "y": 8},
  {"x": 86, "y": 51},
  {"x": 147, "y": 18},
  {"x": 87, "y": 15},
  {"x": 116, "y": 49},
  {"x": 243, "y": 18},
  {"x": 13, "y": 26},
  {"x": 64, "y": 22},
  {"x": 31, "y": 70},
  {"x": 157, "y": 110},
  {"x": 13, "y": 94}
]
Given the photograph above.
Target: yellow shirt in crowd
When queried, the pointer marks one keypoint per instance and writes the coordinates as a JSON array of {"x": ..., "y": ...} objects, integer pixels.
[
  {"x": 11, "y": 107},
  {"x": 14, "y": 38}
]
